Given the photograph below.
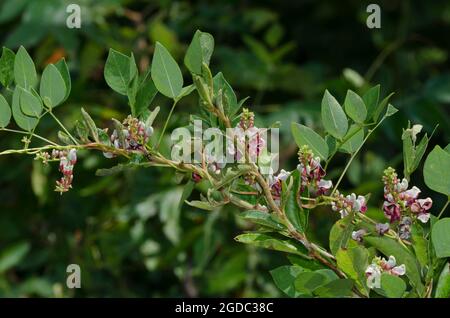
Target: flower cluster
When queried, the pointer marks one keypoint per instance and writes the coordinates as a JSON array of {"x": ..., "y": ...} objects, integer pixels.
[
  {"x": 399, "y": 199},
  {"x": 404, "y": 228},
  {"x": 67, "y": 161},
  {"x": 311, "y": 172},
  {"x": 379, "y": 266},
  {"x": 215, "y": 165},
  {"x": 349, "y": 203},
  {"x": 248, "y": 135},
  {"x": 134, "y": 135},
  {"x": 276, "y": 184},
  {"x": 382, "y": 228}
]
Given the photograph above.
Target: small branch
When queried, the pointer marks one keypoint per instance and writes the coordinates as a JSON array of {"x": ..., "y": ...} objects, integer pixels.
[
  {"x": 63, "y": 127},
  {"x": 166, "y": 123},
  {"x": 443, "y": 208},
  {"x": 354, "y": 155},
  {"x": 28, "y": 133}
]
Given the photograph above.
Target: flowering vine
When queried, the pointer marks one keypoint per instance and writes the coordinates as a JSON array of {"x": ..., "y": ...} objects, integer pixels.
[{"x": 279, "y": 203}]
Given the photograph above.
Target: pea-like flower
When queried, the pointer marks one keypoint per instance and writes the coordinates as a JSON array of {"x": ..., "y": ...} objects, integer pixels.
[
  {"x": 215, "y": 165},
  {"x": 311, "y": 172},
  {"x": 382, "y": 228},
  {"x": 379, "y": 266},
  {"x": 358, "y": 235},
  {"x": 134, "y": 135},
  {"x": 249, "y": 139},
  {"x": 398, "y": 199},
  {"x": 349, "y": 203},
  {"x": 276, "y": 184},
  {"x": 67, "y": 161}
]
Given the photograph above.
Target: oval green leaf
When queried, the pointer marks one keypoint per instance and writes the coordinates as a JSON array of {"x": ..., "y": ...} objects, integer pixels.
[
  {"x": 5, "y": 112},
  {"x": 199, "y": 52},
  {"x": 165, "y": 72},
  {"x": 436, "y": 171},
  {"x": 119, "y": 71},
  {"x": 333, "y": 117},
  {"x": 355, "y": 107},
  {"x": 30, "y": 103},
  {"x": 23, "y": 121},
  {"x": 24, "y": 69},
  {"x": 440, "y": 235},
  {"x": 306, "y": 136},
  {"x": 53, "y": 87}
]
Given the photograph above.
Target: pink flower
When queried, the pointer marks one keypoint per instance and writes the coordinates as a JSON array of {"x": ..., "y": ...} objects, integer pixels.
[
  {"x": 421, "y": 205},
  {"x": 379, "y": 266},
  {"x": 391, "y": 211},
  {"x": 323, "y": 186},
  {"x": 358, "y": 235}
]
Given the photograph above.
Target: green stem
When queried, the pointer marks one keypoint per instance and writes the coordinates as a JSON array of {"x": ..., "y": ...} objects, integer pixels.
[
  {"x": 166, "y": 123},
  {"x": 31, "y": 134},
  {"x": 354, "y": 155},
  {"x": 343, "y": 141},
  {"x": 63, "y": 127},
  {"x": 443, "y": 209}
]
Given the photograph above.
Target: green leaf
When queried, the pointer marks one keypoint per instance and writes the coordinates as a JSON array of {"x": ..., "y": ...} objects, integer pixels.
[
  {"x": 263, "y": 218},
  {"x": 201, "y": 205},
  {"x": 380, "y": 108},
  {"x": 64, "y": 71},
  {"x": 64, "y": 138},
  {"x": 420, "y": 245},
  {"x": 185, "y": 91},
  {"x": 354, "y": 107},
  {"x": 306, "y": 136},
  {"x": 7, "y": 67},
  {"x": 389, "y": 247},
  {"x": 199, "y": 52},
  {"x": 165, "y": 72},
  {"x": 145, "y": 94},
  {"x": 436, "y": 172},
  {"x": 392, "y": 286},
  {"x": 5, "y": 112},
  {"x": 229, "y": 100},
  {"x": 23, "y": 121},
  {"x": 355, "y": 141},
  {"x": 335, "y": 289},
  {"x": 284, "y": 278},
  {"x": 90, "y": 124},
  {"x": 53, "y": 88},
  {"x": 307, "y": 282},
  {"x": 353, "y": 262},
  {"x": 370, "y": 99},
  {"x": 391, "y": 110},
  {"x": 272, "y": 242},
  {"x": 13, "y": 255},
  {"x": 24, "y": 69},
  {"x": 443, "y": 285},
  {"x": 419, "y": 152},
  {"x": 119, "y": 71},
  {"x": 296, "y": 215},
  {"x": 30, "y": 103},
  {"x": 333, "y": 117},
  {"x": 340, "y": 233},
  {"x": 440, "y": 235}
]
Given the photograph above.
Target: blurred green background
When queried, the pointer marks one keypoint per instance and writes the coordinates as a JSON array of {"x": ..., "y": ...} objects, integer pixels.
[{"x": 128, "y": 233}]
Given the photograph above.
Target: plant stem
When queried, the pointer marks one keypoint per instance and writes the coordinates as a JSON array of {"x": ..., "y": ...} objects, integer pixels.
[
  {"x": 354, "y": 155},
  {"x": 63, "y": 127},
  {"x": 32, "y": 134},
  {"x": 175, "y": 101},
  {"x": 343, "y": 141},
  {"x": 443, "y": 208}
]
